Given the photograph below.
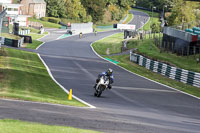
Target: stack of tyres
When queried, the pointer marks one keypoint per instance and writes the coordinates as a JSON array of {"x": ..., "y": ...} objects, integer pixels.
[
  {"x": 197, "y": 31},
  {"x": 189, "y": 30}
]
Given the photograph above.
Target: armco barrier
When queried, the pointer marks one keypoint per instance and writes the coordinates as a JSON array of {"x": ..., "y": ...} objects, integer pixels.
[{"x": 185, "y": 76}]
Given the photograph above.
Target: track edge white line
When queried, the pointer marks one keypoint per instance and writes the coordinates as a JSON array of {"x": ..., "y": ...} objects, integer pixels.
[
  {"x": 138, "y": 74},
  {"x": 66, "y": 91}
]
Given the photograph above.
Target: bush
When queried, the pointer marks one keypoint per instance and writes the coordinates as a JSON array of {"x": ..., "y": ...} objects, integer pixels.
[
  {"x": 54, "y": 20},
  {"x": 155, "y": 28},
  {"x": 45, "y": 19},
  {"x": 51, "y": 19}
]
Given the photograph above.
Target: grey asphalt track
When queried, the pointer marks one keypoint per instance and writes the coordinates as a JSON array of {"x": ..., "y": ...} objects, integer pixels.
[{"x": 134, "y": 105}]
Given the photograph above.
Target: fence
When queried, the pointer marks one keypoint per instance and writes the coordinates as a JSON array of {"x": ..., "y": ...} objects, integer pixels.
[
  {"x": 24, "y": 32},
  {"x": 184, "y": 76}
]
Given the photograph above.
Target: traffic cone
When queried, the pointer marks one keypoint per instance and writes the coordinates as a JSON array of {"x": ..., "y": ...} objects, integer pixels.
[{"x": 70, "y": 95}]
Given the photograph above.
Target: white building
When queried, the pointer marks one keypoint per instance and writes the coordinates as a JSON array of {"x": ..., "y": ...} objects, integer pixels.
[
  {"x": 6, "y": 1},
  {"x": 14, "y": 12}
]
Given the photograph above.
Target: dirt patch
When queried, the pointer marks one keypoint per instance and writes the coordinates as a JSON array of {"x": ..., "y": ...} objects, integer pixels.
[{"x": 107, "y": 51}]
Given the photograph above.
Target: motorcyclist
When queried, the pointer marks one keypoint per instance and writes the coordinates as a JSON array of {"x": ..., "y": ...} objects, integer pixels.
[{"x": 109, "y": 74}]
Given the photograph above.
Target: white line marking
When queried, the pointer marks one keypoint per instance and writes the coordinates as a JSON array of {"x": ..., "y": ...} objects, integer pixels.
[
  {"x": 131, "y": 18},
  {"x": 44, "y": 35},
  {"x": 40, "y": 45},
  {"x": 42, "y": 41},
  {"x": 138, "y": 74},
  {"x": 61, "y": 105},
  {"x": 91, "y": 106}
]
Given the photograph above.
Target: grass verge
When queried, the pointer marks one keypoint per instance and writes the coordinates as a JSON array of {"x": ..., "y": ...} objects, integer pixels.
[
  {"x": 45, "y": 24},
  {"x": 35, "y": 42},
  {"x": 26, "y": 78},
  {"x": 184, "y": 62},
  {"x": 124, "y": 62},
  {"x": 129, "y": 18},
  {"x": 10, "y": 36},
  {"x": 107, "y": 27},
  {"x": 16, "y": 126},
  {"x": 109, "y": 45}
]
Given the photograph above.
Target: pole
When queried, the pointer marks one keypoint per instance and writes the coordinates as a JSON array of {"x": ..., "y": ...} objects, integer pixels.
[{"x": 152, "y": 18}]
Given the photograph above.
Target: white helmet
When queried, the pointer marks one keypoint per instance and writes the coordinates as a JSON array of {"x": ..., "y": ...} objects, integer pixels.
[{"x": 109, "y": 71}]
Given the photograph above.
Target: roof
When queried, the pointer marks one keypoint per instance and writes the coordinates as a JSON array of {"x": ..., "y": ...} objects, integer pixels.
[{"x": 38, "y": 1}]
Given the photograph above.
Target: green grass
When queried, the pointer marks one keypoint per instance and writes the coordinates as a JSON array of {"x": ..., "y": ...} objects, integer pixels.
[
  {"x": 109, "y": 45},
  {"x": 35, "y": 42},
  {"x": 155, "y": 18},
  {"x": 184, "y": 62},
  {"x": 10, "y": 36},
  {"x": 16, "y": 1},
  {"x": 16, "y": 126},
  {"x": 130, "y": 16},
  {"x": 125, "y": 62},
  {"x": 45, "y": 24},
  {"x": 26, "y": 78},
  {"x": 143, "y": 47},
  {"x": 33, "y": 30},
  {"x": 33, "y": 45}
]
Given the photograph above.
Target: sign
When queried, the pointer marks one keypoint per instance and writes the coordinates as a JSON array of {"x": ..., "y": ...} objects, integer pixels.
[{"x": 125, "y": 27}]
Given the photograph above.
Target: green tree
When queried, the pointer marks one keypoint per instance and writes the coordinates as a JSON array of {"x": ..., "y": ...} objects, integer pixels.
[
  {"x": 75, "y": 10},
  {"x": 95, "y": 8},
  {"x": 182, "y": 12},
  {"x": 155, "y": 27},
  {"x": 56, "y": 8}
]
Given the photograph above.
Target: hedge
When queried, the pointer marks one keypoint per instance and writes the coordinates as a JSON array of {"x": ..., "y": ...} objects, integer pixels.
[{"x": 51, "y": 19}]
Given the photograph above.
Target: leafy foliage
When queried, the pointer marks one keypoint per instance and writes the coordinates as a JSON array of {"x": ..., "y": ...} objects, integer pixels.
[
  {"x": 182, "y": 12},
  {"x": 95, "y": 8},
  {"x": 88, "y": 10}
]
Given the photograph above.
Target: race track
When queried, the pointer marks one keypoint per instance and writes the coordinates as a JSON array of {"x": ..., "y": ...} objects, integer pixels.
[{"x": 134, "y": 105}]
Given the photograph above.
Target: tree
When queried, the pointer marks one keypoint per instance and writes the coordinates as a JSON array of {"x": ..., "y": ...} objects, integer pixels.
[
  {"x": 182, "y": 12},
  {"x": 56, "y": 8},
  {"x": 95, "y": 8},
  {"x": 75, "y": 10}
]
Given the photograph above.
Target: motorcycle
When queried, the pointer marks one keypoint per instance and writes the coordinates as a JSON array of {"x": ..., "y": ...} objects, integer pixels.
[{"x": 101, "y": 86}]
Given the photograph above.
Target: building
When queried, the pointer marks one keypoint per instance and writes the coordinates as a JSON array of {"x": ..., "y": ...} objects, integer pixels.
[
  {"x": 35, "y": 8},
  {"x": 6, "y": 1},
  {"x": 14, "y": 12}
]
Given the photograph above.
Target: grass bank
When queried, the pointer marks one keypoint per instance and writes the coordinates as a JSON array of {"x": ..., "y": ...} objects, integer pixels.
[
  {"x": 129, "y": 18},
  {"x": 143, "y": 47},
  {"x": 10, "y": 36},
  {"x": 148, "y": 48},
  {"x": 16, "y": 126},
  {"x": 106, "y": 27},
  {"x": 45, "y": 24},
  {"x": 109, "y": 45},
  {"x": 23, "y": 76}
]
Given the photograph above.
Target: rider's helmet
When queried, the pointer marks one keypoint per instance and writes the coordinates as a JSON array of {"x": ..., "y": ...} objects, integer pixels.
[{"x": 109, "y": 72}]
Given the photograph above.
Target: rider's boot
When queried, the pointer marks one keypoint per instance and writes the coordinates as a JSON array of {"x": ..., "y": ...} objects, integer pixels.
[
  {"x": 109, "y": 87},
  {"x": 95, "y": 86}
]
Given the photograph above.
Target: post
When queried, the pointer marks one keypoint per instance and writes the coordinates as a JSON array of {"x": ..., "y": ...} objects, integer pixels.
[
  {"x": 194, "y": 51},
  {"x": 152, "y": 20},
  {"x": 182, "y": 50},
  {"x": 188, "y": 50},
  {"x": 172, "y": 47}
]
